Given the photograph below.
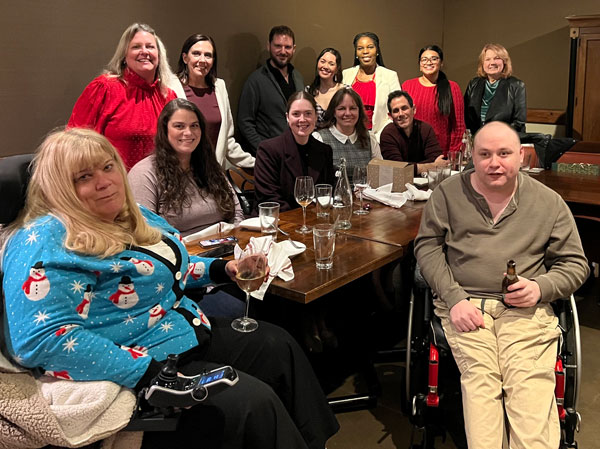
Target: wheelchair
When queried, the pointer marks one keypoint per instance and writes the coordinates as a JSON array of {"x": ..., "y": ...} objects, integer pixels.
[
  {"x": 432, "y": 394},
  {"x": 14, "y": 177}
]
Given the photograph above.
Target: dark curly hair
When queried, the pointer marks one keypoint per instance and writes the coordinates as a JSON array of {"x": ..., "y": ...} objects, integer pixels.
[{"x": 205, "y": 171}]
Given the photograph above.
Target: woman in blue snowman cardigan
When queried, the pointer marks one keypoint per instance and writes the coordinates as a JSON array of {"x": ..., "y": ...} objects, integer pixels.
[{"x": 94, "y": 289}]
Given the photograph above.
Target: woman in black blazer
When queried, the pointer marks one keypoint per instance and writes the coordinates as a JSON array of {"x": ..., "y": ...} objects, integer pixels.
[
  {"x": 495, "y": 95},
  {"x": 294, "y": 153}
]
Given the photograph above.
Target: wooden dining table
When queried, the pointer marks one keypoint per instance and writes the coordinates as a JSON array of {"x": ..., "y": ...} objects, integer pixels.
[
  {"x": 374, "y": 240},
  {"x": 580, "y": 192}
]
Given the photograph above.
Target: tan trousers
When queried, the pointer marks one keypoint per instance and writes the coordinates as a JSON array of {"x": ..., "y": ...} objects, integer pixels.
[{"x": 507, "y": 367}]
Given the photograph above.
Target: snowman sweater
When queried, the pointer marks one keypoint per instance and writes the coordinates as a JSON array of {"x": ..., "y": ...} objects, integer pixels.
[{"x": 85, "y": 318}]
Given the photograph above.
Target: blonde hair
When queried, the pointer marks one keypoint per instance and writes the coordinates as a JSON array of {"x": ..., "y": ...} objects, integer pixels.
[
  {"x": 52, "y": 190},
  {"x": 502, "y": 53},
  {"x": 117, "y": 64}
]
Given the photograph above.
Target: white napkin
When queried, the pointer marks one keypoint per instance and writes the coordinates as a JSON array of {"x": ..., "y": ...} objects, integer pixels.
[
  {"x": 384, "y": 195},
  {"x": 414, "y": 194},
  {"x": 214, "y": 229},
  {"x": 280, "y": 264}
]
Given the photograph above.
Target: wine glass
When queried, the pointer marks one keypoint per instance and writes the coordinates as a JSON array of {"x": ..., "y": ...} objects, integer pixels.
[
  {"x": 304, "y": 192},
  {"x": 251, "y": 271},
  {"x": 359, "y": 178}
]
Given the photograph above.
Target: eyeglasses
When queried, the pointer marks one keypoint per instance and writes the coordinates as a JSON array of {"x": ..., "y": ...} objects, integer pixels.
[{"x": 433, "y": 60}]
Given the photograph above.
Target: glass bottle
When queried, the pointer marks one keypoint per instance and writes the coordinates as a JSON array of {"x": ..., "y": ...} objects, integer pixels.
[
  {"x": 510, "y": 278},
  {"x": 342, "y": 199}
]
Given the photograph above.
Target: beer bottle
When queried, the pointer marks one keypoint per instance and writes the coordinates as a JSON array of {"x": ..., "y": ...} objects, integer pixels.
[
  {"x": 511, "y": 275},
  {"x": 510, "y": 278}
]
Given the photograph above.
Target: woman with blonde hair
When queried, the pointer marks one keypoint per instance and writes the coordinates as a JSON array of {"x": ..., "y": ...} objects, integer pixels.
[
  {"x": 494, "y": 94},
  {"x": 124, "y": 102},
  {"x": 94, "y": 290}
]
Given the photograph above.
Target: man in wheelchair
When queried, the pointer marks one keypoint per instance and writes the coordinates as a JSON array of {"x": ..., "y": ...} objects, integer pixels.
[{"x": 504, "y": 344}]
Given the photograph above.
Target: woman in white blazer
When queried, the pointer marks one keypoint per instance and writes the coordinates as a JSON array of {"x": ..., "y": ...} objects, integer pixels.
[
  {"x": 197, "y": 71},
  {"x": 371, "y": 80}
]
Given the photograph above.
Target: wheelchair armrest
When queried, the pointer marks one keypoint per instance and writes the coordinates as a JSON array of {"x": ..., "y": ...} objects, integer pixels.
[{"x": 437, "y": 335}]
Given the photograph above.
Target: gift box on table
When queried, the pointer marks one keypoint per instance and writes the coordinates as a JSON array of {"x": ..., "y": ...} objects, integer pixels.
[{"x": 381, "y": 172}]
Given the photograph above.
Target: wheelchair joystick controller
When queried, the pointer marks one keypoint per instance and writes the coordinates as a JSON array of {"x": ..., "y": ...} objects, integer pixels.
[
  {"x": 170, "y": 389},
  {"x": 168, "y": 374}
]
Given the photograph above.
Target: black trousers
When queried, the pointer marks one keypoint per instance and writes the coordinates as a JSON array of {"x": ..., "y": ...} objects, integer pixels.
[{"x": 277, "y": 403}]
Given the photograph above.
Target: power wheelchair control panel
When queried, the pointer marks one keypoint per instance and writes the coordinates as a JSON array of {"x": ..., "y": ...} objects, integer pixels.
[{"x": 170, "y": 389}]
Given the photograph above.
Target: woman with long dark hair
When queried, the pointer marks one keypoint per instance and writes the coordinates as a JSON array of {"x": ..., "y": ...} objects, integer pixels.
[
  {"x": 346, "y": 132},
  {"x": 371, "y": 79},
  {"x": 328, "y": 80},
  {"x": 182, "y": 180},
  {"x": 438, "y": 100},
  {"x": 197, "y": 71}
]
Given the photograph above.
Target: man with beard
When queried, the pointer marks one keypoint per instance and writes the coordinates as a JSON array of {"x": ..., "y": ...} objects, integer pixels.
[
  {"x": 407, "y": 139},
  {"x": 261, "y": 112}
]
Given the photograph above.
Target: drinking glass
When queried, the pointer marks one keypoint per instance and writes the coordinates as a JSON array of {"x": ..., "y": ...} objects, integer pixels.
[
  {"x": 268, "y": 214},
  {"x": 323, "y": 193},
  {"x": 252, "y": 268},
  {"x": 359, "y": 177},
  {"x": 304, "y": 192},
  {"x": 324, "y": 243},
  {"x": 455, "y": 158}
]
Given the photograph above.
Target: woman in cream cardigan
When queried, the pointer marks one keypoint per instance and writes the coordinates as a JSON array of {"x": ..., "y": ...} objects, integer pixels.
[
  {"x": 371, "y": 80},
  {"x": 197, "y": 71}
]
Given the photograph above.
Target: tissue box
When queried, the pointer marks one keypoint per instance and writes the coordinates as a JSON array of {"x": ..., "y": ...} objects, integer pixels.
[{"x": 380, "y": 172}]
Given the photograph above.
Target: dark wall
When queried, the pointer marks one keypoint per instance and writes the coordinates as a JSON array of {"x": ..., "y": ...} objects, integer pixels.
[{"x": 51, "y": 49}]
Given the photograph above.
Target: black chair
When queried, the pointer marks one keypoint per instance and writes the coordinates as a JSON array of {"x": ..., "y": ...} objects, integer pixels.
[
  {"x": 243, "y": 186},
  {"x": 435, "y": 408},
  {"x": 14, "y": 178}
]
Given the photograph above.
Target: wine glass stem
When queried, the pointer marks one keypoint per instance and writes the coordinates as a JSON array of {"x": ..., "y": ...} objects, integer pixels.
[
  {"x": 303, "y": 217},
  {"x": 360, "y": 197},
  {"x": 247, "y": 305}
]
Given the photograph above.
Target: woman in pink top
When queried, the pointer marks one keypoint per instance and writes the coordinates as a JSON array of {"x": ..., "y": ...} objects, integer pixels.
[{"x": 438, "y": 100}]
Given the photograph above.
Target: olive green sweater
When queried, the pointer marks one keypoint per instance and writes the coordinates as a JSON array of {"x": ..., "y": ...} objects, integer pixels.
[{"x": 463, "y": 253}]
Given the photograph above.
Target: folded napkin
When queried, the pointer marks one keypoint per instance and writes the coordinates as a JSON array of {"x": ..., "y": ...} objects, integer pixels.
[
  {"x": 214, "y": 229},
  {"x": 279, "y": 262},
  {"x": 414, "y": 194},
  {"x": 384, "y": 195}
]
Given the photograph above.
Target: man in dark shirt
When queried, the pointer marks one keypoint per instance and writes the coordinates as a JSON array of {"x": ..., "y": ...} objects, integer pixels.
[
  {"x": 261, "y": 112},
  {"x": 408, "y": 139}
]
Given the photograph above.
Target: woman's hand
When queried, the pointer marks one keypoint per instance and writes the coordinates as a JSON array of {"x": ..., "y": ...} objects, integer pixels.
[{"x": 231, "y": 270}]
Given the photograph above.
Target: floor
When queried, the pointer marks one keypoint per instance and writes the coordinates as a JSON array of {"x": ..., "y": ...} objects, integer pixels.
[{"x": 385, "y": 427}]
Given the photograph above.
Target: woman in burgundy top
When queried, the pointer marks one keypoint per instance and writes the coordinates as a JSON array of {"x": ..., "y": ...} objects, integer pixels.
[
  {"x": 438, "y": 100},
  {"x": 124, "y": 102},
  {"x": 197, "y": 71}
]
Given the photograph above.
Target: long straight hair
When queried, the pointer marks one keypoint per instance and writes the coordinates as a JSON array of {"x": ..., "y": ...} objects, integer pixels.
[
  {"x": 361, "y": 128},
  {"x": 443, "y": 91},
  {"x": 182, "y": 68},
  {"x": 117, "y": 64},
  {"x": 52, "y": 190},
  {"x": 313, "y": 89}
]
